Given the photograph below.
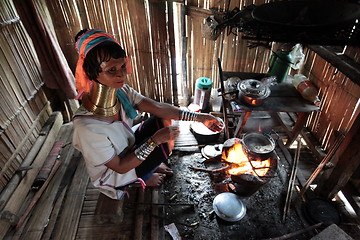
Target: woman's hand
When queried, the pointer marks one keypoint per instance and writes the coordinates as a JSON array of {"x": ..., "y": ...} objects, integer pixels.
[
  {"x": 166, "y": 134},
  {"x": 213, "y": 123}
]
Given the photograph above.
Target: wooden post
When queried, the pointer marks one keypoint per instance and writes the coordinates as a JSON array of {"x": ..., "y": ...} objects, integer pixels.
[
  {"x": 173, "y": 55},
  {"x": 109, "y": 210},
  {"x": 299, "y": 125},
  {"x": 139, "y": 217}
]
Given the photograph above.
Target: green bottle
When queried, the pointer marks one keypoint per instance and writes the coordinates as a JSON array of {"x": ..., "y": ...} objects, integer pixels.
[{"x": 279, "y": 65}]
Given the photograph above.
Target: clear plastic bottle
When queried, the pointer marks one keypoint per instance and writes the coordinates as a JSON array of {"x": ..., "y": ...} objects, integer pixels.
[{"x": 306, "y": 88}]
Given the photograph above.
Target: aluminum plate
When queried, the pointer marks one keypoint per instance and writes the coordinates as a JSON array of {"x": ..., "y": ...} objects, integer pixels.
[{"x": 229, "y": 207}]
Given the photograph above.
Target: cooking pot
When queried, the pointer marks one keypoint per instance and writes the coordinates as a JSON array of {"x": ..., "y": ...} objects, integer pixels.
[
  {"x": 253, "y": 92},
  {"x": 258, "y": 145}
]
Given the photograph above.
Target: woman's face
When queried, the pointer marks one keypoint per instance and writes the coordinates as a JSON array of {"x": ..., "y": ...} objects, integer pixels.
[{"x": 113, "y": 73}]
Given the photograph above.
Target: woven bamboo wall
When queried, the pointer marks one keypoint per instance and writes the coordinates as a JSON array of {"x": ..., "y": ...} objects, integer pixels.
[
  {"x": 139, "y": 26},
  {"x": 233, "y": 52},
  {"x": 24, "y": 105},
  {"x": 340, "y": 98}
]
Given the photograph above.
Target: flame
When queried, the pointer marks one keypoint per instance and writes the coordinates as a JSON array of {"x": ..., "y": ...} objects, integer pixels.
[{"x": 237, "y": 156}]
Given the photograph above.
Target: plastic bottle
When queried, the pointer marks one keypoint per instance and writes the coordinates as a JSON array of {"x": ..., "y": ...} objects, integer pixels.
[
  {"x": 306, "y": 88},
  {"x": 203, "y": 92}
]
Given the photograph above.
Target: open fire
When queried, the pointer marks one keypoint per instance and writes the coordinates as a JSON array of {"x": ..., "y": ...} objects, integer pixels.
[
  {"x": 248, "y": 173},
  {"x": 242, "y": 165}
]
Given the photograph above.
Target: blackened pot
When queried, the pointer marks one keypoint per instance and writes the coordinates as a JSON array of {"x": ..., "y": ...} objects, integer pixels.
[{"x": 258, "y": 145}]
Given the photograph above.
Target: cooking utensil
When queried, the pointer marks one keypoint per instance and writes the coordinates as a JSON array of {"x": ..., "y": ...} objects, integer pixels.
[
  {"x": 258, "y": 145},
  {"x": 253, "y": 92},
  {"x": 229, "y": 207},
  {"x": 211, "y": 151},
  {"x": 202, "y": 134}
]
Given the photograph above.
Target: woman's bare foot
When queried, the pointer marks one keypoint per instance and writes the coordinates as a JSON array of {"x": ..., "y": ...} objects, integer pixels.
[
  {"x": 164, "y": 169},
  {"x": 155, "y": 180}
]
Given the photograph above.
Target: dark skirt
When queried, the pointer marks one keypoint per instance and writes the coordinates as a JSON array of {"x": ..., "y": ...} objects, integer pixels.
[{"x": 160, "y": 153}]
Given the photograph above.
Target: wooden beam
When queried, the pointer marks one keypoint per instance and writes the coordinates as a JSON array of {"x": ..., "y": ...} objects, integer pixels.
[
  {"x": 345, "y": 64},
  {"x": 336, "y": 178},
  {"x": 173, "y": 56}
]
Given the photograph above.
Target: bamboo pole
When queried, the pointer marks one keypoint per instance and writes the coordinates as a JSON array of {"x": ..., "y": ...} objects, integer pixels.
[
  {"x": 291, "y": 181},
  {"x": 15, "y": 201},
  {"x": 13, "y": 183},
  {"x": 15, "y": 153}
]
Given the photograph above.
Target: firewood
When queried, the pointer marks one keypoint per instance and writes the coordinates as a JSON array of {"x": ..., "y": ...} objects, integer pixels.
[{"x": 210, "y": 170}]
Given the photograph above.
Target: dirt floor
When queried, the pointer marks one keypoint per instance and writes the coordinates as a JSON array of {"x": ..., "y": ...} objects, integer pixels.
[
  {"x": 263, "y": 218},
  {"x": 186, "y": 200},
  {"x": 197, "y": 220}
]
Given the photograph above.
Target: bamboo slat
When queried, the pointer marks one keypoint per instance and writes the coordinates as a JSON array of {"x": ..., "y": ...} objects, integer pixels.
[{"x": 338, "y": 94}]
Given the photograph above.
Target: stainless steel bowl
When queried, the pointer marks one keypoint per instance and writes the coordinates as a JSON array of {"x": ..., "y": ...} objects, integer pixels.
[{"x": 229, "y": 207}]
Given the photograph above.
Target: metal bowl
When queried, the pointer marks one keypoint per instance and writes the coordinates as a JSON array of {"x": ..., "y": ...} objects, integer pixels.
[{"x": 229, "y": 207}]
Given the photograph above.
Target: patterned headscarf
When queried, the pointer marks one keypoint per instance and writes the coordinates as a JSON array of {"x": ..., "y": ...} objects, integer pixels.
[{"x": 84, "y": 44}]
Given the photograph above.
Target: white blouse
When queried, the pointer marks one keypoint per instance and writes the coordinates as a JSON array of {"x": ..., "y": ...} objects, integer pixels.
[{"x": 100, "y": 140}]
